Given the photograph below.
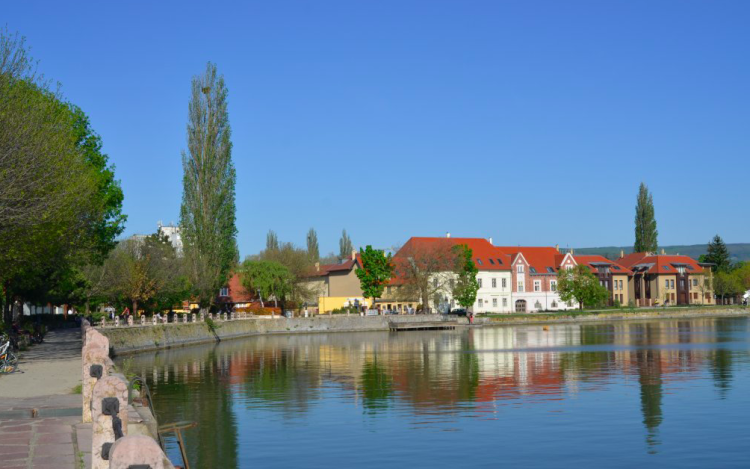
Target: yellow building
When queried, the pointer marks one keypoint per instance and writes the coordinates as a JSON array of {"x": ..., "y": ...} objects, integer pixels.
[{"x": 336, "y": 285}]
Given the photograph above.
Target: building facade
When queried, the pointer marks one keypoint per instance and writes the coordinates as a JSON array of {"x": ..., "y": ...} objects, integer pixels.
[
  {"x": 494, "y": 278},
  {"x": 534, "y": 278},
  {"x": 612, "y": 276},
  {"x": 660, "y": 279}
]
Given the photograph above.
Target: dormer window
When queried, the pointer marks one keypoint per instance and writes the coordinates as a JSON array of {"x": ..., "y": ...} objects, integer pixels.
[
  {"x": 519, "y": 269},
  {"x": 224, "y": 292},
  {"x": 479, "y": 261},
  {"x": 500, "y": 262},
  {"x": 491, "y": 261}
]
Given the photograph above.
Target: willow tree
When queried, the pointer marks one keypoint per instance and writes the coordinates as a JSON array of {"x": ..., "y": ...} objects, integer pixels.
[
  {"x": 645, "y": 222},
  {"x": 207, "y": 215}
]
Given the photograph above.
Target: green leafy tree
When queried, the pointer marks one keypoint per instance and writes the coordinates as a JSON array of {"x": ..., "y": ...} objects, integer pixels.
[
  {"x": 645, "y": 222},
  {"x": 718, "y": 254},
  {"x": 60, "y": 204},
  {"x": 345, "y": 246},
  {"x": 581, "y": 285},
  {"x": 270, "y": 279},
  {"x": 726, "y": 284},
  {"x": 207, "y": 215},
  {"x": 299, "y": 265},
  {"x": 312, "y": 245},
  {"x": 426, "y": 270},
  {"x": 466, "y": 286},
  {"x": 376, "y": 271}
]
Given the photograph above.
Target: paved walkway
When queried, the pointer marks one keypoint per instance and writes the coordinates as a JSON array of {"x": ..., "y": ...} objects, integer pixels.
[{"x": 40, "y": 420}]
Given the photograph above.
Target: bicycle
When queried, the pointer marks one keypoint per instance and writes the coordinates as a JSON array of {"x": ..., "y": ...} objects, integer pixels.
[{"x": 8, "y": 361}]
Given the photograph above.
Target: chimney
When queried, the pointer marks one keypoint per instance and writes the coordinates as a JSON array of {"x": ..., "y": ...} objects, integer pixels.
[
  {"x": 571, "y": 251},
  {"x": 317, "y": 267},
  {"x": 622, "y": 253},
  {"x": 354, "y": 255},
  {"x": 557, "y": 247},
  {"x": 490, "y": 239},
  {"x": 448, "y": 234},
  {"x": 662, "y": 251}
]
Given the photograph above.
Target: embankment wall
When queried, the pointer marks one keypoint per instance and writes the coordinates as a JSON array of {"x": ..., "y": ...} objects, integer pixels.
[{"x": 124, "y": 340}]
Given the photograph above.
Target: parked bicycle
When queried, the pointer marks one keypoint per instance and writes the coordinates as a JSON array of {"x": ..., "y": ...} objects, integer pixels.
[{"x": 8, "y": 360}]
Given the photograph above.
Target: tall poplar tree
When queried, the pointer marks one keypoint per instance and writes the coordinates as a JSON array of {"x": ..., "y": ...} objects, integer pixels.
[
  {"x": 272, "y": 241},
  {"x": 645, "y": 223},
  {"x": 345, "y": 246},
  {"x": 207, "y": 216},
  {"x": 312, "y": 245}
]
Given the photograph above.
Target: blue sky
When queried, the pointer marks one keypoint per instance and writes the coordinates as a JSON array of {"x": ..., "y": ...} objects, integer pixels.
[{"x": 532, "y": 122}]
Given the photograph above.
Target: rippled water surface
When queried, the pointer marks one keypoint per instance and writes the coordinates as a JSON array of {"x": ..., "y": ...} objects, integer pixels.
[{"x": 653, "y": 393}]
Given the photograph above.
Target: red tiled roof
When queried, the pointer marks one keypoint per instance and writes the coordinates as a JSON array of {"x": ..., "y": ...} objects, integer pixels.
[
  {"x": 485, "y": 255},
  {"x": 538, "y": 257},
  {"x": 659, "y": 263},
  {"x": 325, "y": 269},
  {"x": 591, "y": 260}
]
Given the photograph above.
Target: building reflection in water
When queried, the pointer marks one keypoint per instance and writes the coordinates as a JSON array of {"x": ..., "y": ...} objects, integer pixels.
[{"x": 445, "y": 375}]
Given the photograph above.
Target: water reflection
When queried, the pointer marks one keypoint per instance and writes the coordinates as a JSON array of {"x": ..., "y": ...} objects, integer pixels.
[{"x": 437, "y": 381}]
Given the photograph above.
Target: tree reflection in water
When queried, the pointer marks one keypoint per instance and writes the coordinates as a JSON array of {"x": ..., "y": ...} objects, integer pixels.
[{"x": 433, "y": 377}]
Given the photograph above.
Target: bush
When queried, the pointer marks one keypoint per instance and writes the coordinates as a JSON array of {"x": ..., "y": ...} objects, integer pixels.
[{"x": 257, "y": 310}]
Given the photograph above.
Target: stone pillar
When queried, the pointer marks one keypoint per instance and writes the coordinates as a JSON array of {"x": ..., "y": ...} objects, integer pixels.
[
  {"x": 143, "y": 320},
  {"x": 110, "y": 400},
  {"x": 94, "y": 352},
  {"x": 117, "y": 321},
  {"x": 164, "y": 319},
  {"x": 223, "y": 316},
  {"x": 201, "y": 317},
  {"x": 130, "y": 320},
  {"x": 153, "y": 320},
  {"x": 192, "y": 317},
  {"x": 136, "y": 451}
]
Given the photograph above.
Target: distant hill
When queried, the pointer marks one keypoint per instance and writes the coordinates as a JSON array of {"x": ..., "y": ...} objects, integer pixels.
[{"x": 737, "y": 251}]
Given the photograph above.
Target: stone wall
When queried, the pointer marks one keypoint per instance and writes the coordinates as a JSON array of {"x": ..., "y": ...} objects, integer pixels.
[
  {"x": 123, "y": 340},
  {"x": 131, "y": 339}
]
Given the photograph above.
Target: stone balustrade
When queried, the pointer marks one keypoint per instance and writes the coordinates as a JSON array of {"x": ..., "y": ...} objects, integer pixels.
[
  {"x": 183, "y": 318},
  {"x": 105, "y": 405}
]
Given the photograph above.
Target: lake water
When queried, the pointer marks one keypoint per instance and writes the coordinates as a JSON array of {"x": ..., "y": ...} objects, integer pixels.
[{"x": 661, "y": 393}]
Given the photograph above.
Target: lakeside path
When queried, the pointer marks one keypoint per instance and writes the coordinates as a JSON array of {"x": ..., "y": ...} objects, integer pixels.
[{"x": 40, "y": 417}]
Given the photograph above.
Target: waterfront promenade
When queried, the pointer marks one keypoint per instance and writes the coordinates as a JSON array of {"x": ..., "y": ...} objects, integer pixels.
[{"x": 40, "y": 415}]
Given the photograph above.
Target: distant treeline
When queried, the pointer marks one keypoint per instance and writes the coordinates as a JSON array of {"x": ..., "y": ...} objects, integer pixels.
[{"x": 737, "y": 251}]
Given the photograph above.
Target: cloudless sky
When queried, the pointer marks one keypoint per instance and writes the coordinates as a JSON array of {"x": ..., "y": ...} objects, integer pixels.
[{"x": 531, "y": 122}]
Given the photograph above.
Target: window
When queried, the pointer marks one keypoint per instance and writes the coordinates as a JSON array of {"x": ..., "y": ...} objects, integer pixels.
[
  {"x": 554, "y": 304},
  {"x": 682, "y": 284},
  {"x": 494, "y": 302},
  {"x": 224, "y": 292},
  {"x": 666, "y": 267},
  {"x": 479, "y": 261},
  {"x": 666, "y": 283},
  {"x": 494, "y": 283},
  {"x": 537, "y": 285},
  {"x": 672, "y": 284},
  {"x": 568, "y": 267},
  {"x": 537, "y": 305},
  {"x": 620, "y": 284},
  {"x": 480, "y": 302},
  {"x": 434, "y": 283},
  {"x": 505, "y": 283},
  {"x": 532, "y": 270},
  {"x": 500, "y": 261},
  {"x": 550, "y": 270},
  {"x": 520, "y": 285},
  {"x": 553, "y": 285},
  {"x": 615, "y": 267},
  {"x": 479, "y": 281},
  {"x": 505, "y": 302},
  {"x": 695, "y": 282},
  {"x": 519, "y": 269},
  {"x": 614, "y": 285},
  {"x": 492, "y": 261}
]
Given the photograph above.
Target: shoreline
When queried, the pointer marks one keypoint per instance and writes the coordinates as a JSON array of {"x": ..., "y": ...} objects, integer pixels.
[{"x": 129, "y": 340}]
